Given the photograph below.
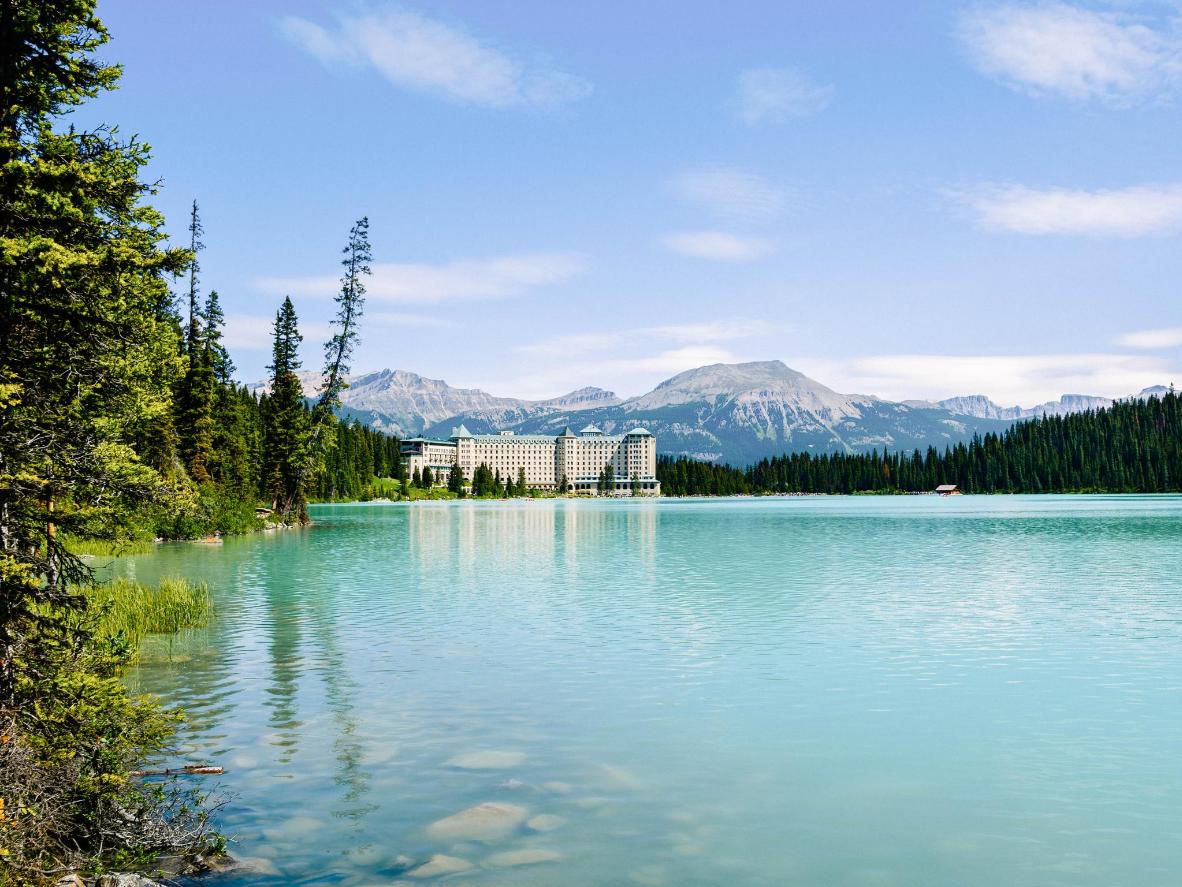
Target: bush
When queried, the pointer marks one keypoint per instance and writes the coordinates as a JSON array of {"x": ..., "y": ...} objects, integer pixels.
[{"x": 73, "y": 736}]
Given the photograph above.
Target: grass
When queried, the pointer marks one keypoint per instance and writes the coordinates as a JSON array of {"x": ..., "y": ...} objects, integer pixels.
[
  {"x": 108, "y": 547},
  {"x": 131, "y": 610}
]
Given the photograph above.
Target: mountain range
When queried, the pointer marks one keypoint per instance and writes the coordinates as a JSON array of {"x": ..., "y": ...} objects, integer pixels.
[{"x": 736, "y": 413}]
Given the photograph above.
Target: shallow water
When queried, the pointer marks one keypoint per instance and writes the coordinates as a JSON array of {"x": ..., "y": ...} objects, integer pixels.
[{"x": 863, "y": 691}]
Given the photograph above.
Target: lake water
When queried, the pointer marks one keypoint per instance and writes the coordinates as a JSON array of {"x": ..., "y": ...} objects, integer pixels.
[{"x": 814, "y": 691}]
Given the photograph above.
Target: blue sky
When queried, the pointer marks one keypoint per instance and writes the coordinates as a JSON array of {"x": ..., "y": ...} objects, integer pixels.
[{"x": 913, "y": 199}]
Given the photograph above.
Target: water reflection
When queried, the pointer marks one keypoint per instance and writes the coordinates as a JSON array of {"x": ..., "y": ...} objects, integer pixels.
[{"x": 766, "y": 692}]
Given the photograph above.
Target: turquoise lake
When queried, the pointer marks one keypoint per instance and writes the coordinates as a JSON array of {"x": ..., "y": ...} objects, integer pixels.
[{"x": 813, "y": 691}]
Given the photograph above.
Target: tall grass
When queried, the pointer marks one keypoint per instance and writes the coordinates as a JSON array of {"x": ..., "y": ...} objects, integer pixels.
[
  {"x": 107, "y": 547},
  {"x": 131, "y": 610}
]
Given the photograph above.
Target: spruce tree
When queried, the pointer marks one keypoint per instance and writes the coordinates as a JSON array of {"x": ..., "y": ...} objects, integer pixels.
[
  {"x": 285, "y": 447},
  {"x": 428, "y": 477},
  {"x": 90, "y": 349},
  {"x": 195, "y": 394},
  {"x": 455, "y": 479}
]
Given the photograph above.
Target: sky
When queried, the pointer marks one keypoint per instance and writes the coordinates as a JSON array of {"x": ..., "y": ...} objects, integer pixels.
[{"x": 911, "y": 200}]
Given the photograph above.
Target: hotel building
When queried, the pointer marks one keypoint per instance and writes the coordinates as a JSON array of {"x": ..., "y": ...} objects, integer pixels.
[{"x": 579, "y": 458}]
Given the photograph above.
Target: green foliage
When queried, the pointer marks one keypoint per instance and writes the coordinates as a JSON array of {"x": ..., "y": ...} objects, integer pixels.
[
  {"x": 125, "y": 612},
  {"x": 90, "y": 352},
  {"x": 285, "y": 439},
  {"x": 455, "y": 480},
  {"x": 1133, "y": 446},
  {"x": 606, "y": 483},
  {"x": 356, "y": 458},
  {"x": 484, "y": 483},
  {"x": 107, "y": 547}
]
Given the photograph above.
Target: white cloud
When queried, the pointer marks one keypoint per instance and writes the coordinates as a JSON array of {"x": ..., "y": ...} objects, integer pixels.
[
  {"x": 734, "y": 194},
  {"x": 1020, "y": 379},
  {"x": 1126, "y": 212},
  {"x": 773, "y": 95},
  {"x": 628, "y": 361},
  {"x": 1170, "y": 337},
  {"x": 401, "y": 319},
  {"x": 695, "y": 334},
  {"x": 623, "y": 373},
  {"x": 425, "y": 55},
  {"x": 718, "y": 246},
  {"x": 255, "y": 332},
  {"x": 456, "y": 281},
  {"x": 1080, "y": 54}
]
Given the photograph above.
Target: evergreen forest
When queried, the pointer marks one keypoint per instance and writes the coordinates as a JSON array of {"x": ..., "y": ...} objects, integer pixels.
[{"x": 1134, "y": 446}]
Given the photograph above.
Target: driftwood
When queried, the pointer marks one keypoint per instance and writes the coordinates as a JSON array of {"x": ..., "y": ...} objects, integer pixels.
[{"x": 187, "y": 770}]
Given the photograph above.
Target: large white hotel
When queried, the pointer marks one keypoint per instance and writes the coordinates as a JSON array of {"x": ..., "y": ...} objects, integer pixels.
[{"x": 581, "y": 458}]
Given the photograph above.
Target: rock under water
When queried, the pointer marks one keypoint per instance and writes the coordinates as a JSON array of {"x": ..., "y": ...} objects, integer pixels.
[{"x": 484, "y": 822}]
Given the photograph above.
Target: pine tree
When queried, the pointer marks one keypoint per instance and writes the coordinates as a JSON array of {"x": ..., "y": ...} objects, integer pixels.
[
  {"x": 417, "y": 479},
  {"x": 428, "y": 477},
  {"x": 218, "y": 357},
  {"x": 90, "y": 349},
  {"x": 195, "y": 394},
  {"x": 522, "y": 487},
  {"x": 455, "y": 479},
  {"x": 285, "y": 449}
]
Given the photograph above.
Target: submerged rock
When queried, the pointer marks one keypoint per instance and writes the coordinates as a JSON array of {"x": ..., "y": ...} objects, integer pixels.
[
  {"x": 125, "y": 880},
  {"x": 545, "y": 822},
  {"x": 484, "y": 822},
  {"x": 526, "y": 856},
  {"x": 438, "y": 865},
  {"x": 488, "y": 760}
]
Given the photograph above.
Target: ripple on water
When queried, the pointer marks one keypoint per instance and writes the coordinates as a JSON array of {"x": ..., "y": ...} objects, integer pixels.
[{"x": 976, "y": 691}]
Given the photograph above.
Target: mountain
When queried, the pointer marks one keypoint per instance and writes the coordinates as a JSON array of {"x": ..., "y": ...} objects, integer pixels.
[
  {"x": 981, "y": 407},
  {"x": 736, "y": 413},
  {"x": 739, "y": 413},
  {"x": 406, "y": 404}
]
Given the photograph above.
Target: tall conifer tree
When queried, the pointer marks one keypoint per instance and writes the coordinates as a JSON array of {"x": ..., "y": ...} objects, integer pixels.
[{"x": 285, "y": 448}]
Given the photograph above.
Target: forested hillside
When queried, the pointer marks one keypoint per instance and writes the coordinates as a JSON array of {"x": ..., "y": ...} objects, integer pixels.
[
  {"x": 1134, "y": 446},
  {"x": 120, "y": 419}
]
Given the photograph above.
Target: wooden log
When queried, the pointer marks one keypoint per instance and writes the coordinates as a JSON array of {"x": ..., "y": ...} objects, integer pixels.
[{"x": 187, "y": 770}]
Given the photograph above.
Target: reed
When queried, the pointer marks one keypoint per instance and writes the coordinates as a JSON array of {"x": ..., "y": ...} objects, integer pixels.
[
  {"x": 108, "y": 547},
  {"x": 131, "y": 610}
]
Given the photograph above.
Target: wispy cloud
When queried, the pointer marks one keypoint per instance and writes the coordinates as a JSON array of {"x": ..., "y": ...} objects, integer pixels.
[
  {"x": 630, "y": 360},
  {"x": 626, "y": 374},
  {"x": 256, "y": 332},
  {"x": 734, "y": 194},
  {"x": 1125, "y": 212},
  {"x": 1079, "y": 54},
  {"x": 426, "y": 55},
  {"x": 402, "y": 319},
  {"x": 773, "y": 95},
  {"x": 456, "y": 281},
  {"x": 695, "y": 334},
  {"x": 717, "y": 246},
  {"x": 1169, "y": 337},
  {"x": 1019, "y": 379}
]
